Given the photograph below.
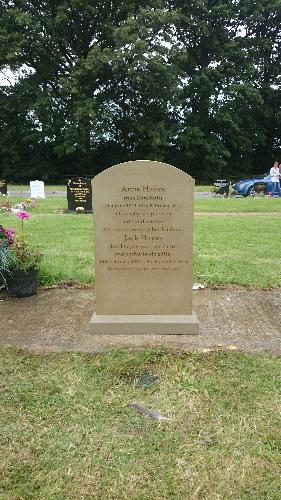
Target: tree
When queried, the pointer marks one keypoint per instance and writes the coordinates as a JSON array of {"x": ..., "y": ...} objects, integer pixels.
[{"x": 191, "y": 83}]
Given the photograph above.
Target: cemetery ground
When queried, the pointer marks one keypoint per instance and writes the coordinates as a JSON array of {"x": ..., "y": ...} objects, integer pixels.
[
  {"x": 55, "y": 188},
  {"x": 67, "y": 431},
  {"x": 236, "y": 241}
]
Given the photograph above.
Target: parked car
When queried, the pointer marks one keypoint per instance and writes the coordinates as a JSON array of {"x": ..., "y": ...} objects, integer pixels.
[{"x": 250, "y": 187}]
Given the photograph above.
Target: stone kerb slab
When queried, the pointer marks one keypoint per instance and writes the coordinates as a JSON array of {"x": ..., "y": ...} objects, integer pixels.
[{"x": 143, "y": 228}]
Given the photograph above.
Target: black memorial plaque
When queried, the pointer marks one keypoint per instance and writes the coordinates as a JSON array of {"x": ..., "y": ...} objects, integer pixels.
[
  {"x": 221, "y": 187},
  {"x": 79, "y": 194},
  {"x": 3, "y": 187}
]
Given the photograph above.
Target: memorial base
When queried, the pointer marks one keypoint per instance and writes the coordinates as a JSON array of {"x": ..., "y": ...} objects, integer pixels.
[
  {"x": 78, "y": 213},
  {"x": 111, "y": 324}
]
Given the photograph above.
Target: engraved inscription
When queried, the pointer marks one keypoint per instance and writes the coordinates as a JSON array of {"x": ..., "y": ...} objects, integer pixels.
[
  {"x": 141, "y": 235},
  {"x": 80, "y": 190},
  {"x": 79, "y": 194}
]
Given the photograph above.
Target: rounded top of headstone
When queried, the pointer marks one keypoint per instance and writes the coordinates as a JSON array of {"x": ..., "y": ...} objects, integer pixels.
[{"x": 146, "y": 163}]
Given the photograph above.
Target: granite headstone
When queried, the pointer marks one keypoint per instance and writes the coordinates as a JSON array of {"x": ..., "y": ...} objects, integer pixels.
[{"x": 79, "y": 194}]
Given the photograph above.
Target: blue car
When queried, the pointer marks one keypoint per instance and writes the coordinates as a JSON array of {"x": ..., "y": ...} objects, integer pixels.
[{"x": 250, "y": 187}]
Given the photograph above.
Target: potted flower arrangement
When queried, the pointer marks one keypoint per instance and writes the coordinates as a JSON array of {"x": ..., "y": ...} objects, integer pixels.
[{"x": 19, "y": 263}]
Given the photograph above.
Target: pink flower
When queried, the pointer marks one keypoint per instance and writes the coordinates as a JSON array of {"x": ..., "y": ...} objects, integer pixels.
[
  {"x": 23, "y": 215},
  {"x": 9, "y": 234},
  {"x": 10, "y": 231}
]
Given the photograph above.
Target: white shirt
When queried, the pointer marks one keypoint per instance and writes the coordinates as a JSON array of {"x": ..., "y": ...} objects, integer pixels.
[{"x": 274, "y": 172}]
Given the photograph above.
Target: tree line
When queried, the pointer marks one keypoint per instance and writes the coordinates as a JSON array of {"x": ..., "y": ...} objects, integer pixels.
[{"x": 192, "y": 83}]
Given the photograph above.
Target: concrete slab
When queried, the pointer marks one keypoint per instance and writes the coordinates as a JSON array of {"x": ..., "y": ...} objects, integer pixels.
[{"x": 246, "y": 319}]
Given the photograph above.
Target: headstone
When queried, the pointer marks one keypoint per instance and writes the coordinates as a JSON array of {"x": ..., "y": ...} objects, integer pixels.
[
  {"x": 143, "y": 218},
  {"x": 79, "y": 195},
  {"x": 260, "y": 187},
  {"x": 221, "y": 187},
  {"x": 3, "y": 187},
  {"x": 37, "y": 189}
]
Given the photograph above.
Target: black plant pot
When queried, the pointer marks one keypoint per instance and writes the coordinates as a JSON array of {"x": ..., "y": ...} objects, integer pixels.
[{"x": 22, "y": 284}]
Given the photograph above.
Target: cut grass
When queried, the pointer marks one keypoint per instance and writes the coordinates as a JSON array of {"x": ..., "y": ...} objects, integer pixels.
[
  {"x": 219, "y": 205},
  {"x": 46, "y": 206},
  {"x": 66, "y": 430},
  {"x": 238, "y": 205},
  {"x": 52, "y": 188},
  {"x": 203, "y": 189},
  {"x": 242, "y": 250},
  {"x": 237, "y": 250},
  {"x": 25, "y": 188}
]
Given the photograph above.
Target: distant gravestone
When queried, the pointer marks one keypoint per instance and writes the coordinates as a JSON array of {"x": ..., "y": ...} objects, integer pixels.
[
  {"x": 3, "y": 187},
  {"x": 79, "y": 194},
  {"x": 260, "y": 187},
  {"x": 37, "y": 189},
  {"x": 143, "y": 218},
  {"x": 221, "y": 187}
]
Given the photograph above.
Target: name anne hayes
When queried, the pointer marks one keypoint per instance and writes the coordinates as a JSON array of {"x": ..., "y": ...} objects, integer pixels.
[{"x": 140, "y": 250}]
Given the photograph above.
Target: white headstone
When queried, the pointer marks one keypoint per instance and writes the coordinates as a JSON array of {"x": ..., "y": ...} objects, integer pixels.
[{"x": 37, "y": 189}]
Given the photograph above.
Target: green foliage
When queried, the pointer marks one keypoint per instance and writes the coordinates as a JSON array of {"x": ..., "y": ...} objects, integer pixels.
[
  {"x": 18, "y": 257},
  {"x": 16, "y": 254},
  {"x": 195, "y": 84},
  {"x": 5, "y": 258},
  {"x": 23, "y": 257}
]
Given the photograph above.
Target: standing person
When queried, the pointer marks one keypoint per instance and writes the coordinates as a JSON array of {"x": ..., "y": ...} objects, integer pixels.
[
  {"x": 280, "y": 174},
  {"x": 275, "y": 176}
]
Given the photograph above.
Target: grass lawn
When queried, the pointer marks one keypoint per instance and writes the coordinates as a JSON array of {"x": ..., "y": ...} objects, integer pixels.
[
  {"x": 203, "y": 189},
  {"x": 48, "y": 205},
  {"x": 243, "y": 250},
  {"x": 238, "y": 205},
  {"x": 237, "y": 250},
  {"x": 235, "y": 205},
  {"x": 51, "y": 188},
  {"x": 26, "y": 187},
  {"x": 66, "y": 430}
]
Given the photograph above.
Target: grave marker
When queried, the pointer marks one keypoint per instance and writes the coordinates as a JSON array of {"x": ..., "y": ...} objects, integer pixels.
[
  {"x": 79, "y": 194},
  {"x": 37, "y": 189},
  {"x": 260, "y": 187},
  {"x": 143, "y": 218},
  {"x": 3, "y": 187}
]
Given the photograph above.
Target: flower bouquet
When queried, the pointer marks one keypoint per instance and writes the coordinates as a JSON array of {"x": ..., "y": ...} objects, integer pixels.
[
  {"x": 19, "y": 264},
  {"x": 28, "y": 204}
]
